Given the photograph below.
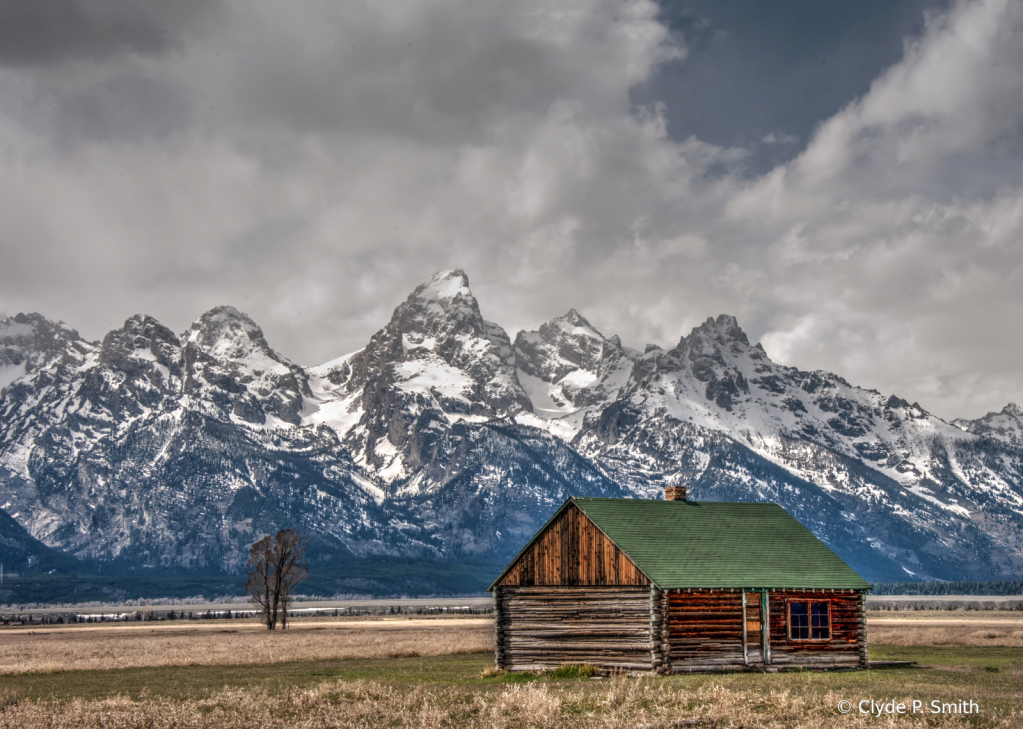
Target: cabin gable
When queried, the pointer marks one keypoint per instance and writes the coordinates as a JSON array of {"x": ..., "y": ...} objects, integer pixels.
[
  {"x": 723, "y": 586},
  {"x": 572, "y": 551}
]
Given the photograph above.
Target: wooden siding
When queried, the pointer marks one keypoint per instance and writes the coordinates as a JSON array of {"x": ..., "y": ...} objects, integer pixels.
[
  {"x": 846, "y": 619},
  {"x": 573, "y": 551},
  {"x": 704, "y": 630},
  {"x": 546, "y": 627}
]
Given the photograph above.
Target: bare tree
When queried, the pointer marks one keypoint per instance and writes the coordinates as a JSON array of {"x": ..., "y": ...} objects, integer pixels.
[
  {"x": 260, "y": 584},
  {"x": 276, "y": 566},
  {"x": 291, "y": 568}
]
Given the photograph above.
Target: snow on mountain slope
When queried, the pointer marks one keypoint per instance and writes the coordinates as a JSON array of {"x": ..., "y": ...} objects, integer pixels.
[
  {"x": 716, "y": 380},
  {"x": 225, "y": 346},
  {"x": 436, "y": 363},
  {"x": 567, "y": 368},
  {"x": 330, "y": 404}
]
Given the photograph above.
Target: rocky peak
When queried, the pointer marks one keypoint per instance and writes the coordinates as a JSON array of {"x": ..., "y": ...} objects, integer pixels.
[
  {"x": 441, "y": 319},
  {"x": 568, "y": 364},
  {"x": 574, "y": 320},
  {"x": 225, "y": 333},
  {"x": 437, "y": 361},
  {"x": 445, "y": 286},
  {"x": 141, "y": 339},
  {"x": 441, "y": 307},
  {"x": 565, "y": 344},
  {"x": 572, "y": 325},
  {"x": 723, "y": 331},
  {"x": 31, "y": 340},
  {"x": 230, "y": 363},
  {"x": 716, "y": 351}
]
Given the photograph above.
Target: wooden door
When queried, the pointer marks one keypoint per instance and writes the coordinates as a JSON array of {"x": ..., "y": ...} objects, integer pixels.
[{"x": 754, "y": 628}]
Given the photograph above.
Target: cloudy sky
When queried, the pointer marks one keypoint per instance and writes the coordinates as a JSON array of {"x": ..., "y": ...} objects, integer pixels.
[{"x": 845, "y": 178}]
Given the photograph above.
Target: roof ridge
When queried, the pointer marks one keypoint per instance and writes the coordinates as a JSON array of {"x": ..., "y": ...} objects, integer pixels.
[{"x": 680, "y": 501}]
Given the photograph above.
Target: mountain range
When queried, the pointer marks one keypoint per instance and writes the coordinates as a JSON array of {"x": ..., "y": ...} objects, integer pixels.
[{"x": 445, "y": 440}]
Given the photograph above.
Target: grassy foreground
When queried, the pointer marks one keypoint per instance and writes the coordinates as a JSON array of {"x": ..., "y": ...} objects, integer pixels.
[{"x": 452, "y": 691}]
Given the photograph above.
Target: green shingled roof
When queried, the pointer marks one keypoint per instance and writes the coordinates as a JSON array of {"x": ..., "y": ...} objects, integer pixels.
[{"x": 682, "y": 544}]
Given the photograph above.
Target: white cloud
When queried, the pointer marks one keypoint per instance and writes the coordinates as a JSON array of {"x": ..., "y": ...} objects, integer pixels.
[
  {"x": 873, "y": 232},
  {"x": 779, "y": 138}
]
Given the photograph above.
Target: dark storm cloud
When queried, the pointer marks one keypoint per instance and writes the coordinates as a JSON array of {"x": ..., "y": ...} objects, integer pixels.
[
  {"x": 123, "y": 109},
  {"x": 762, "y": 75},
  {"x": 47, "y": 32}
]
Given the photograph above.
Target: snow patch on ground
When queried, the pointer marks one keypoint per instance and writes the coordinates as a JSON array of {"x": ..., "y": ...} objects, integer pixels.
[
  {"x": 427, "y": 375},
  {"x": 579, "y": 379},
  {"x": 16, "y": 460},
  {"x": 412, "y": 342},
  {"x": 272, "y": 423},
  {"x": 548, "y": 402},
  {"x": 322, "y": 370},
  {"x": 927, "y": 495},
  {"x": 369, "y": 487},
  {"x": 340, "y": 415},
  {"x": 395, "y": 468},
  {"x": 565, "y": 427}
]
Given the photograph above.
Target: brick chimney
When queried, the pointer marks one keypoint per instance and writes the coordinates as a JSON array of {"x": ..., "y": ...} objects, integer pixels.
[{"x": 674, "y": 493}]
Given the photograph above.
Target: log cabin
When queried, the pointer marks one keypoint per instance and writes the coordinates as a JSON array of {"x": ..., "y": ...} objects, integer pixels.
[{"x": 677, "y": 586}]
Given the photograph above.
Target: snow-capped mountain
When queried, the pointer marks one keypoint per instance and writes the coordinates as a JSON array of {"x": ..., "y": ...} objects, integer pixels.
[
  {"x": 443, "y": 439},
  {"x": 155, "y": 450},
  {"x": 1006, "y": 426},
  {"x": 436, "y": 363},
  {"x": 229, "y": 361}
]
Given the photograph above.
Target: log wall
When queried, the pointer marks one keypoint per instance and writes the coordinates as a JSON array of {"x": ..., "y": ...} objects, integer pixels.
[
  {"x": 705, "y": 630},
  {"x": 573, "y": 551},
  {"x": 545, "y": 627},
  {"x": 848, "y": 626}
]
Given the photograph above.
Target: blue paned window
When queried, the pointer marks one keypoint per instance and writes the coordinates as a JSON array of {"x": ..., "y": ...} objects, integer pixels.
[{"x": 809, "y": 621}]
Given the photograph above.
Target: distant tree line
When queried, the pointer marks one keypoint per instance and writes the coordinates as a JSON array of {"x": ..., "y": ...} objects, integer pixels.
[
  {"x": 1003, "y": 587},
  {"x": 40, "y": 617}
]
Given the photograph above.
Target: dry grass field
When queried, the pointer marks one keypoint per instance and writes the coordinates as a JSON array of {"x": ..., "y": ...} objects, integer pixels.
[
  {"x": 208, "y": 643},
  {"x": 434, "y": 674},
  {"x": 616, "y": 704},
  {"x": 941, "y": 628}
]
